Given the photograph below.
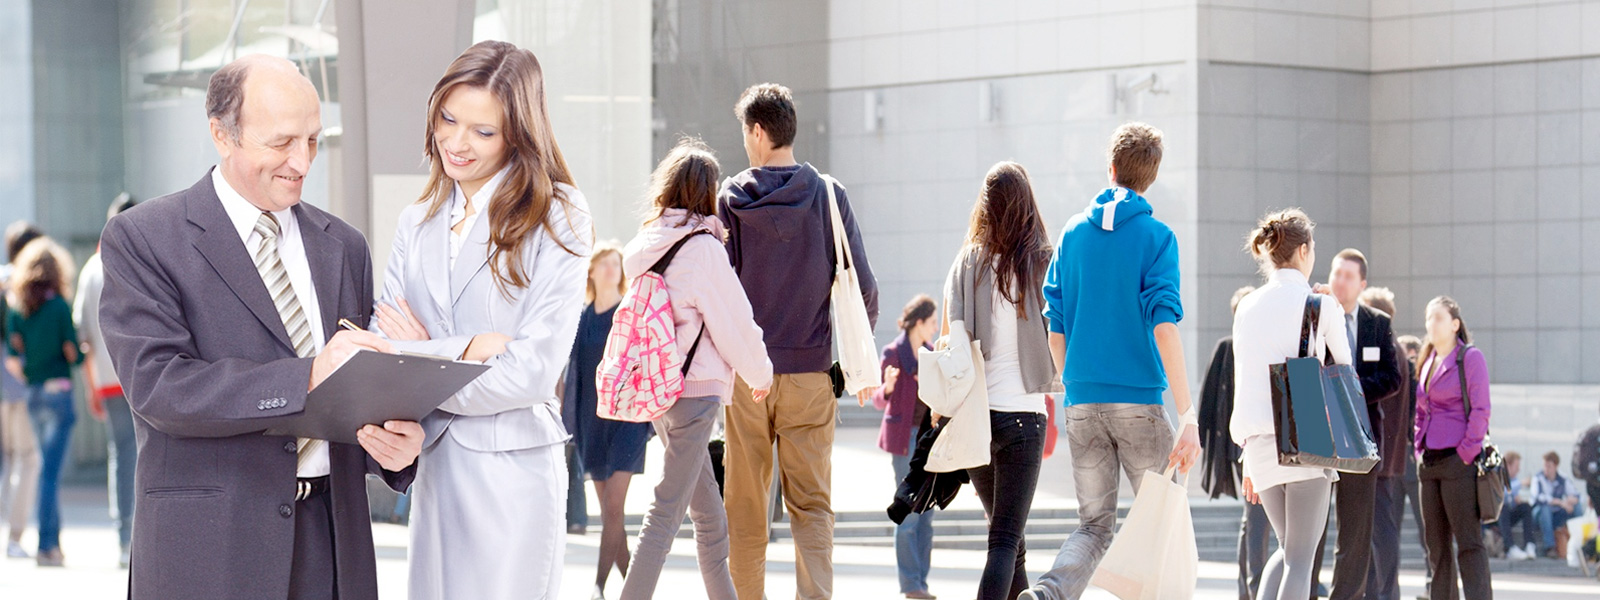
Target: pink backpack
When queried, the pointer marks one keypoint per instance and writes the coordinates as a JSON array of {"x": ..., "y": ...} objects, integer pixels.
[{"x": 641, "y": 373}]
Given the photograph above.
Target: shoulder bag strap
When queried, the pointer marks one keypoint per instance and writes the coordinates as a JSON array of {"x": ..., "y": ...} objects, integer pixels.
[
  {"x": 1308, "y": 322},
  {"x": 841, "y": 245}
]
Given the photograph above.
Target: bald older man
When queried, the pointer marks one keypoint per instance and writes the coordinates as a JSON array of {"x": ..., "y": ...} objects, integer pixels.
[{"x": 220, "y": 311}]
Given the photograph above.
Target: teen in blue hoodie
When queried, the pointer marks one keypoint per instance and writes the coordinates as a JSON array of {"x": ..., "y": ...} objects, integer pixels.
[{"x": 1111, "y": 297}]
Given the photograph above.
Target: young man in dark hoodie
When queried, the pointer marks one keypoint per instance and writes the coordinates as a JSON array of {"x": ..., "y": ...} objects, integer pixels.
[
  {"x": 1111, "y": 296},
  {"x": 780, "y": 240}
]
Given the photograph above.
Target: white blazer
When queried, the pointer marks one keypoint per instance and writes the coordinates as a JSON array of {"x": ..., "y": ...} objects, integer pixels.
[{"x": 514, "y": 405}]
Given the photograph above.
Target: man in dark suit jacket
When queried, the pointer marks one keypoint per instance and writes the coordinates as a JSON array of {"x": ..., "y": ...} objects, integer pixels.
[
  {"x": 211, "y": 357},
  {"x": 1373, "y": 350}
]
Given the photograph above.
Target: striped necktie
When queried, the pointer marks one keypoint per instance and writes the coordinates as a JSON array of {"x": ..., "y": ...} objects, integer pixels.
[{"x": 294, "y": 319}]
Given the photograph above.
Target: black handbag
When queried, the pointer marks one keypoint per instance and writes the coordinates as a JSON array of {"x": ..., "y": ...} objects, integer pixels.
[
  {"x": 1490, "y": 464},
  {"x": 1319, "y": 411}
]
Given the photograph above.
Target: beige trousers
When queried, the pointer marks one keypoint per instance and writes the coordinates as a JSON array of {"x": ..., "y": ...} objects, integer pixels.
[
  {"x": 19, "y": 487},
  {"x": 798, "y": 417}
]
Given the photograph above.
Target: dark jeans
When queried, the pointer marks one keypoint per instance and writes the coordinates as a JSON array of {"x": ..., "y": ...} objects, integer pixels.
[
  {"x": 1450, "y": 524},
  {"x": 1522, "y": 513},
  {"x": 52, "y": 415},
  {"x": 124, "y": 453},
  {"x": 1005, "y": 486},
  {"x": 1255, "y": 531},
  {"x": 1352, "y": 557}
]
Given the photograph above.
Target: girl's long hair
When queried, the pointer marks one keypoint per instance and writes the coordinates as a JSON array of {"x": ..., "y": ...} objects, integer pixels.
[
  {"x": 524, "y": 199},
  {"x": 1008, "y": 234},
  {"x": 42, "y": 270}
]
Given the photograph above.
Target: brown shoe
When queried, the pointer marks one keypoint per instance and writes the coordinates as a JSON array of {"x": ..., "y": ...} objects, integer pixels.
[
  {"x": 921, "y": 595},
  {"x": 52, "y": 558}
]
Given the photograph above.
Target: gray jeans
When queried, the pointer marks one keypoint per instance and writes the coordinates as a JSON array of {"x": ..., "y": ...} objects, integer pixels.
[
  {"x": 1106, "y": 440},
  {"x": 687, "y": 484}
]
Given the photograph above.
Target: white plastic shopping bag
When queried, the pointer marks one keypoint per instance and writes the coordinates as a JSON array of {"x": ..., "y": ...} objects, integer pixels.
[{"x": 1154, "y": 556}]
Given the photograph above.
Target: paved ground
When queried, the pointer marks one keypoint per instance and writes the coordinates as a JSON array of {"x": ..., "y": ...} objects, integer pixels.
[{"x": 861, "y": 478}]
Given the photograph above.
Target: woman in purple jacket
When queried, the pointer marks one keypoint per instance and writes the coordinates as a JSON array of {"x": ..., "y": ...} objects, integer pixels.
[
  {"x": 903, "y": 417},
  {"x": 1449, "y": 438}
]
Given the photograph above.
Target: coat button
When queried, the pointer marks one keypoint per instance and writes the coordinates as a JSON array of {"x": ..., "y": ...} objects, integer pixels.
[
  {"x": 291, "y": 447},
  {"x": 285, "y": 510}
]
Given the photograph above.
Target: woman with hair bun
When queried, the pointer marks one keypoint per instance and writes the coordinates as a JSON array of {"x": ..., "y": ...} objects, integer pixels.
[{"x": 1266, "y": 329}]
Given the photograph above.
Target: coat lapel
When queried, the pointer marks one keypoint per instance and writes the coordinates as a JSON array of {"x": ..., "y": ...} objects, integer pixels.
[
  {"x": 474, "y": 255},
  {"x": 325, "y": 254},
  {"x": 221, "y": 246},
  {"x": 433, "y": 249}
]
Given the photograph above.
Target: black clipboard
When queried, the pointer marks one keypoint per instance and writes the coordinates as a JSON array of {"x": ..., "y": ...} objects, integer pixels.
[{"x": 373, "y": 387}]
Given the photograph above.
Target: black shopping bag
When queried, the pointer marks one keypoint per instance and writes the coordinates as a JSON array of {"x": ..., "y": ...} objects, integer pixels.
[{"x": 1318, "y": 409}]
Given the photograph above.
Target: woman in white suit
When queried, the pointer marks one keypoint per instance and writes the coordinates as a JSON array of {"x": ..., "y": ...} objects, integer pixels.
[{"x": 489, "y": 265}]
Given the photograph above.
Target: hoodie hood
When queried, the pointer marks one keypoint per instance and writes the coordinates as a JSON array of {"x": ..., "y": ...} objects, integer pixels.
[
  {"x": 776, "y": 201},
  {"x": 658, "y": 236},
  {"x": 1115, "y": 206}
]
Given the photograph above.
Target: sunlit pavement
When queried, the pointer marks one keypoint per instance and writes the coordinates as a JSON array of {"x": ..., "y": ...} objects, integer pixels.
[{"x": 860, "y": 572}]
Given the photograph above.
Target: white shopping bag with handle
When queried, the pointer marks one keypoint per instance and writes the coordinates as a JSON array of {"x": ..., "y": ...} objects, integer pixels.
[{"x": 1154, "y": 556}]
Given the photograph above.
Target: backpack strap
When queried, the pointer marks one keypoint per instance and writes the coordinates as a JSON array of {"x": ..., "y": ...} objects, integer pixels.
[{"x": 660, "y": 268}]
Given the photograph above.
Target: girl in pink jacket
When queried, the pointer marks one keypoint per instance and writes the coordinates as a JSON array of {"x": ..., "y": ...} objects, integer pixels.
[{"x": 709, "y": 305}]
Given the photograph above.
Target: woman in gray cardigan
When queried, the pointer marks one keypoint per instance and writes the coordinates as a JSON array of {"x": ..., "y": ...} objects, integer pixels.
[{"x": 994, "y": 289}]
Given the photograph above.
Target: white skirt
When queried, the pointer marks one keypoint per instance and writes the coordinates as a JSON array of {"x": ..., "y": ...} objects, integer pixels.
[
  {"x": 1261, "y": 465},
  {"x": 488, "y": 525}
]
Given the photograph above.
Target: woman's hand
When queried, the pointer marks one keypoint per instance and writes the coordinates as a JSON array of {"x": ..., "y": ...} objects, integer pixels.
[
  {"x": 891, "y": 374},
  {"x": 761, "y": 394},
  {"x": 485, "y": 346},
  {"x": 1250, "y": 492},
  {"x": 399, "y": 323}
]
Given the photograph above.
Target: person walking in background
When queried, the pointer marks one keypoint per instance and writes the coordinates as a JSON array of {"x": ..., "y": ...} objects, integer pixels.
[
  {"x": 1409, "y": 483},
  {"x": 1395, "y": 417},
  {"x": 1555, "y": 500},
  {"x": 1222, "y": 471},
  {"x": 106, "y": 401},
  {"x": 20, "y": 480},
  {"x": 1450, "y": 440},
  {"x": 781, "y": 245},
  {"x": 717, "y": 333},
  {"x": 1376, "y": 358},
  {"x": 1266, "y": 329},
  {"x": 905, "y": 417},
  {"x": 612, "y": 452},
  {"x": 488, "y": 265},
  {"x": 42, "y": 349},
  {"x": 994, "y": 289},
  {"x": 1112, "y": 300}
]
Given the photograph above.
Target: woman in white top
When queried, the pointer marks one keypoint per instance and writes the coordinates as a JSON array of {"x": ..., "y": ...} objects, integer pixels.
[
  {"x": 489, "y": 266},
  {"x": 1266, "y": 331},
  {"x": 994, "y": 288}
]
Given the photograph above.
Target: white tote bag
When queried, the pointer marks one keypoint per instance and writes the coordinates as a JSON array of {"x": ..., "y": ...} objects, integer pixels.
[
  {"x": 858, "y": 354},
  {"x": 954, "y": 386},
  {"x": 1154, "y": 556}
]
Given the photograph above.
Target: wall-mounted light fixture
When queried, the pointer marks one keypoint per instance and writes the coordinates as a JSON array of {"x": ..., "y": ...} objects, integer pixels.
[
  {"x": 1122, "y": 94},
  {"x": 988, "y": 102},
  {"x": 873, "y": 111}
]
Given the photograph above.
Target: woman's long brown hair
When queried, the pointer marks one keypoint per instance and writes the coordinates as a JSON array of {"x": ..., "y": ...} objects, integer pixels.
[
  {"x": 42, "y": 269},
  {"x": 523, "y": 200},
  {"x": 1008, "y": 234}
]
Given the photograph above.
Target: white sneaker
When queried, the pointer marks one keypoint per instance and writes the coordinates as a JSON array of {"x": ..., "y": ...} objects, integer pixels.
[
  {"x": 1531, "y": 552},
  {"x": 1516, "y": 553},
  {"x": 599, "y": 593},
  {"x": 14, "y": 550},
  {"x": 1029, "y": 594},
  {"x": 124, "y": 558}
]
